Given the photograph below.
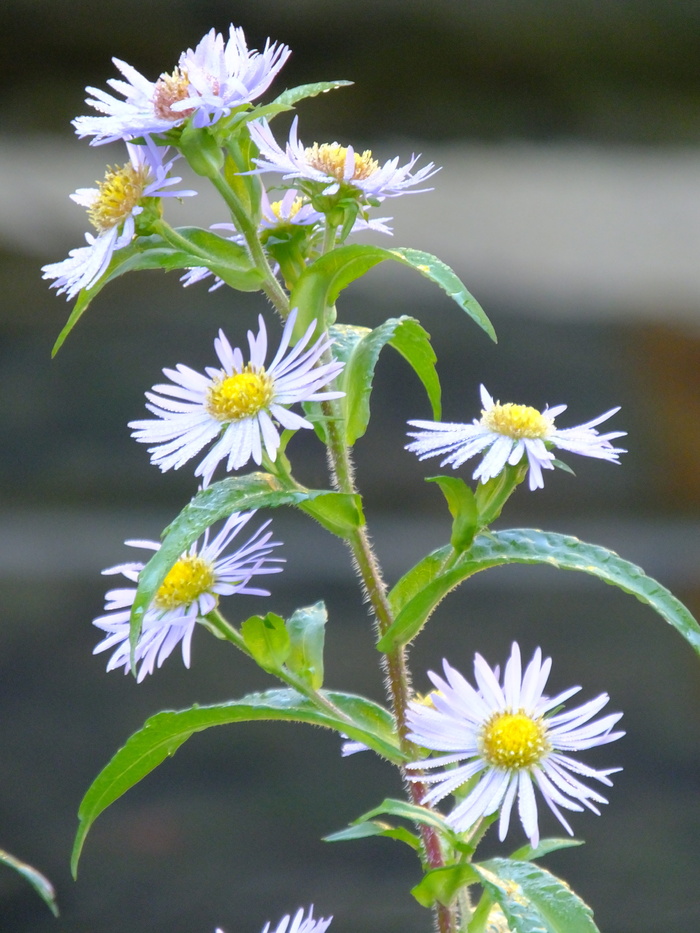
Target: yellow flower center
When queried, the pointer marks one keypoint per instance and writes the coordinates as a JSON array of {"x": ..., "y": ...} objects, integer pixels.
[
  {"x": 330, "y": 159},
  {"x": 514, "y": 740},
  {"x": 239, "y": 396},
  {"x": 170, "y": 89},
  {"x": 187, "y": 579},
  {"x": 117, "y": 195},
  {"x": 276, "y": 208},
  {"x": 516, "y": 421}
]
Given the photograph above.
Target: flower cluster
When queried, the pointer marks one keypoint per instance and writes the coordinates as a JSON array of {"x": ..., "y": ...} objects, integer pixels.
[
  {"x": 208, "y": 82},
  {"x": 511, "y": 738},
  {"x": 238, "y": 403},
  {"x": 507, "y": 433},
  {"x": 189, "y": 592}
]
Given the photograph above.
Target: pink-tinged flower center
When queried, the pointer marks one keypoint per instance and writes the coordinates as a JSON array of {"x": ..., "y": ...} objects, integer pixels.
[
  {"x": 187, "y": 579},
  {"x": 329, "y": 158},
  {"x": 241, "y": 395},
  {"x": 516, "y": 421},
  {"x": 117, "y": 196},
  {"x": 169, "y": 90},
  {"x": 513, "y": 740}
]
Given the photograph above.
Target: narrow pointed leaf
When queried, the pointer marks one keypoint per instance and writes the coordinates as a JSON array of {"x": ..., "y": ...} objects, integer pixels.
[
  {"x": 375, "y": 828},
  {"x": 318, "y": 288},
  {"x": 39, "y": 882},
  {"x": 390, "y": 806},
  {"x": 164, "y": 733},
  {"x": 417, "y": 594},
  {"x": 289, "y": 98},
  {"x": 544, "y": 847},
  {"x": 533, "y": 900},
  {"x": 228, "y": 260},
  {"x": 359, "y": 349}
]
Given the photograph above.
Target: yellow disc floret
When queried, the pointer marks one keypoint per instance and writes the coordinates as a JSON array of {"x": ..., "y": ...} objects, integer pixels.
[
  {"x": 117, "y": 195},
  {"x": 330, "y": 158},
  {"x": 276, "y": 208},
  {"x": 516, "y": 421},
  {"x": 187, "y": 579},
  {"x": 168, "y": 90},
  {"x": 514, "y": 740},
  {"x": 241, "y": 395}
]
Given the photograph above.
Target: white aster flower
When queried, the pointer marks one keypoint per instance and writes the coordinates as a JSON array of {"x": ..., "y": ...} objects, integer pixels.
[
  {"x": 208, "y": 82},
  {"x": 238, "y": 405},
  {"x": 505, "y": 740},
  {"x": 190, "y": 590},
  {"x": 300, "y": 923},
  {"x": 335, "y": 166},
  {"x": 508, "y": 432},
  {"x": 112, "y": 208}
]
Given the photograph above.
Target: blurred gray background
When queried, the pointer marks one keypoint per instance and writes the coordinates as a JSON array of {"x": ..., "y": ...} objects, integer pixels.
[{"x": 569, "y": 203}]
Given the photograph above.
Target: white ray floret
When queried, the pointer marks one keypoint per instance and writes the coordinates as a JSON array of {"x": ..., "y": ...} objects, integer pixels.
[
  {"x": 237, "y": 406},
  {"x": 506, "y": 433},
  {"x": 299, "y": 923},
  {"x": 191, "y": 589},
  {"x": 112, "y": 209},
  {"x": 208, "y": 82},
  {"x": 333, "y": 165},
  {"x": 509, "y": 738}
]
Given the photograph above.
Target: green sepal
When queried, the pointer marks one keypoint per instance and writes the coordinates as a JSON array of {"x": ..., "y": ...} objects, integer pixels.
[
  {"x": 164, "y": 733},
  {"x": 267, "y": 639},
  {"x": 318, "y": 288},
  {"x": 441, "y": 885},
  {"x": 228, "y": 260},
  {"x": 201, "y": 149},
  {"x": 359, "y": 349},
  {"x": 534, "y": 900},
  {"x": 492, "y": 495},
  {"x": 375, "y": 828},
  {"x": 528, "y": 854},
  {"x": 462, "y": 505},
  {"x": 306, "y": 632},
  {"x": 419, "y": 591},
  {"x": 39, "y": 882}
]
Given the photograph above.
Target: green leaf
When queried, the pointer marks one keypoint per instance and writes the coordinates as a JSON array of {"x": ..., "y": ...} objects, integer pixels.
[
  {"x": 228, "y": 260},
  {"x": 390, "y": 806},
  {"x": 375, "y": 828},
  {"x": 267, "y": 639},
  {"x": 317, "y": 289},
  {"x": 528, "y": 854},
  {"x": 289, "y": 98},
  {"x": 462, "y": 505},
  {"x": 359, "y": 349},
  {"x": 417, "y": 594},
  {"x": 164, "y": 733},
  {"x": 440, "y": 273},
  {"x": 39, "y": 882},
  {"x": 221, "y": 499},
  {"x": 340, "y": 513},
  {"x": 534, "y": 900},
  {"x": 307, "y": 632},
  {"x": 443, "y": 884}
]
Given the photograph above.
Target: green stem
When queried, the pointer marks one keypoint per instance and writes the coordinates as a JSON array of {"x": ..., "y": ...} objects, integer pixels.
[
  {"x": 223, "y": 629},
  {"x": 271, "y": 286},
  {"x": 394, "y": 662}
]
